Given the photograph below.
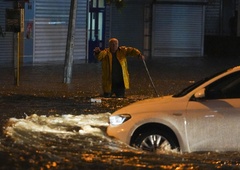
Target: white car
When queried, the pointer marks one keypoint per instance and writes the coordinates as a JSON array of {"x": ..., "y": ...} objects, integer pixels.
[{"x": 203, "y": 117}]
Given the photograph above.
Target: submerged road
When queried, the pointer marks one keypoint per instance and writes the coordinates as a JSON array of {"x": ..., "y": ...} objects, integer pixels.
[
  {"x": 42, "y": 90},
  {"x": 41, "y": 102}
]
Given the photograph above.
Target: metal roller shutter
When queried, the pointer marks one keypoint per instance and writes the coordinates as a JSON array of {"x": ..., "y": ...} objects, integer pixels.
[
  {"x": 178, "y": 30},
  {"x": 51, "y": 26},
  {"x": 212, "y": 21},
  {"x": 6, "y": 42}
]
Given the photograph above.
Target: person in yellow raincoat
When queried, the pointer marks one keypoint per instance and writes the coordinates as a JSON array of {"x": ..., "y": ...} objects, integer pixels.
[{"x": 115, "y": 76}]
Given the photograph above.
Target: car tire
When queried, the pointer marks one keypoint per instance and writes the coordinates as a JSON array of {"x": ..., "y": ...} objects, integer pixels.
[{"x": 156, "y": 141}]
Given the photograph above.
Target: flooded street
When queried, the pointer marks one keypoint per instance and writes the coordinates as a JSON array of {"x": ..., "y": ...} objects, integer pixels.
[
  {"x": 48, "y": 125},
  {"x": 80, "y": 142}
]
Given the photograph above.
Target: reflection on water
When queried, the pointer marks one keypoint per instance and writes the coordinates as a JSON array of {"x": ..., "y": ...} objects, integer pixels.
[{"x": 80, "y": 142}]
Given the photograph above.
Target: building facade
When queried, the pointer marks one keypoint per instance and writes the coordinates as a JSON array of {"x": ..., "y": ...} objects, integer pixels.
[{"x": 159, "y": 28}]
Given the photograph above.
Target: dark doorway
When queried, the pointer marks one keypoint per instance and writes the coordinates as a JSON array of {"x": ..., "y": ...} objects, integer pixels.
[{"x": 226, "y": 41}]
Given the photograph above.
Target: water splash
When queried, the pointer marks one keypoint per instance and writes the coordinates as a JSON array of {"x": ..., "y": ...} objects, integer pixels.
[
  {"x": 60, "y": 125},
  {"x": 70, "y": 141}
]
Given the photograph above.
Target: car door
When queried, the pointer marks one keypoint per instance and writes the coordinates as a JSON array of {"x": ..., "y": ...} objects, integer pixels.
[{"x": 212, "y": 123}]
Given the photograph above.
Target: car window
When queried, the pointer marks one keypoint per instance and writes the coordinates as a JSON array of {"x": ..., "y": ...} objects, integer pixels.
[
  {"x": 195, "y": 85},
  {"x": 226, "y": 87}
]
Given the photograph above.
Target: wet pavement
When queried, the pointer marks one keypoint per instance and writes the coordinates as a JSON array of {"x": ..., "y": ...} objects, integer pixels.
[
  {"x": 42, "y": 92},
  {"x": 41, "y": 88},
  {"x": 47, "y": 80}
]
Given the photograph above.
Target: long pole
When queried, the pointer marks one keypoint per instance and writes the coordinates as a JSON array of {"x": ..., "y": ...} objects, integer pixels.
[
  {"x": 16, "y": 58},
  {"x": 145, "y": 65},
  {"x": 70, "y": 43}
]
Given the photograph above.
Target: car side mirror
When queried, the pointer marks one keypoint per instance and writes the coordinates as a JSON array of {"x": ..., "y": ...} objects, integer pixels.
[{"x": 200, "y": 93}]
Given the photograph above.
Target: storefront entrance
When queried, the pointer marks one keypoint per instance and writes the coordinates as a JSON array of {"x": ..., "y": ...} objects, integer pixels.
[{"x": 96, "y": 18}]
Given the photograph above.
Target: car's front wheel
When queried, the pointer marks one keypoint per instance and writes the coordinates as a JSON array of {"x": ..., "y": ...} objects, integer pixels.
[{"x": 155, "y": 141}]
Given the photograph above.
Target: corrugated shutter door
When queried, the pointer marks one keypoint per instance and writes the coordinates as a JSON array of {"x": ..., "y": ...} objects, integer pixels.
[
  {"x": 6, "y": 43},
  {"x": 51, "y": 26},
  {"x": 177, "y": 30},
  {"x": 212, "y": 21},
  {"x": 80, "y": 51}
]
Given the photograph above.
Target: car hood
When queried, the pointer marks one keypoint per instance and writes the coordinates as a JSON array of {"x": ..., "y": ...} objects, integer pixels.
[{"x": 159, "y": 104}]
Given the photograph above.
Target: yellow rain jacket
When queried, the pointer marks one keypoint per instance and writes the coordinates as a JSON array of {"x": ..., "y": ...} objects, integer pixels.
[{"x": 105, "y": 56}]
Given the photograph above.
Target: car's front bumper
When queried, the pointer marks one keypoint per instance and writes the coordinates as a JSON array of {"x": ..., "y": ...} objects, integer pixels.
[{"x": 119, "y": 133}]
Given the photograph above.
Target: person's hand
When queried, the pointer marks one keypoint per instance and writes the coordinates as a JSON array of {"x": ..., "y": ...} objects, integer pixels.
[
  {"x": 96, "y": 50},
  {"x": 141, "y": 57}
]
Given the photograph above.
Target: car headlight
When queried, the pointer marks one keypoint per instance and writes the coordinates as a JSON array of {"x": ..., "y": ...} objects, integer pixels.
[{"x": 118, "y": 119}]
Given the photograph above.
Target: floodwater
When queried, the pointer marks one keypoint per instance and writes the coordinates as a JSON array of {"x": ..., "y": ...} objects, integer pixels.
[
  {"x": 43, "y": 128},
  {"x": 67, "y": 141}
]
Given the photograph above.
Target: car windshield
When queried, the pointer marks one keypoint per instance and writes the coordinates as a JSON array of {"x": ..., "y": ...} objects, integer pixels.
[{"x": 195, "y": 85}]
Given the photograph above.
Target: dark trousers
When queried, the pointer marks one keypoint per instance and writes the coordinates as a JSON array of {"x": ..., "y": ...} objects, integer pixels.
[{"x": 118, "y": 89}]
